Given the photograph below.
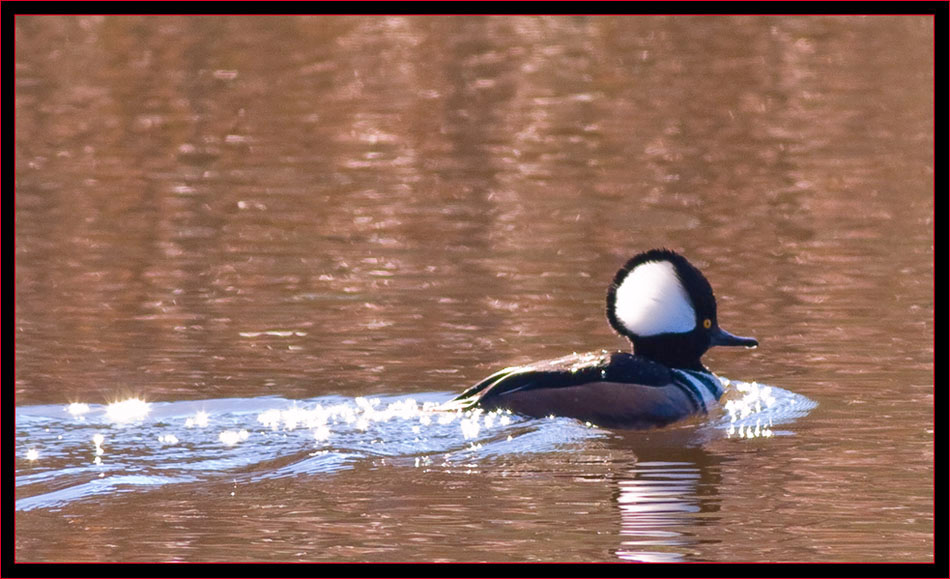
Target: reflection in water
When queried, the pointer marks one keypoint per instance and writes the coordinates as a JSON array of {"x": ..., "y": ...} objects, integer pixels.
[
  {"x": 380, "y": 205},
  {"x": 675, "y": 482},
  {"x": 653, "y": 499}
]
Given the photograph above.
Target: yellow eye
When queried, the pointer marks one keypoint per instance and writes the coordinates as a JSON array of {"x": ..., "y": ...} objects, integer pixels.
[{"x": 707, "y": 323}]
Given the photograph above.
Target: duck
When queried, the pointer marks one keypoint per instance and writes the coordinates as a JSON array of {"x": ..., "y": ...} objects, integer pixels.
[{"x": 665, "y": 307}]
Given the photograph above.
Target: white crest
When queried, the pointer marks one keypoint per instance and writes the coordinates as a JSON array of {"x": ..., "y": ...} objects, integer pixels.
[{"x": 651, "y": 300}]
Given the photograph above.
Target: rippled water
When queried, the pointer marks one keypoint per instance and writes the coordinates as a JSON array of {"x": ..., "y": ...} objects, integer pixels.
[
  {"x": 83, "y": 450},
  {"x": 82, "y": 454},
  {"x": 253, "y": 254}
]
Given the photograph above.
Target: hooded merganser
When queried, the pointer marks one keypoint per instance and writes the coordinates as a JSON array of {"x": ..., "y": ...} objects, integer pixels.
[{"x": 666, "y": 308}]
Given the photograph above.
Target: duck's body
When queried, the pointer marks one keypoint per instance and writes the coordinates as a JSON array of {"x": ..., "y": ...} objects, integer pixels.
[
  {"x": 611, "y": 389},
  {"x": 666, "y": 308}
]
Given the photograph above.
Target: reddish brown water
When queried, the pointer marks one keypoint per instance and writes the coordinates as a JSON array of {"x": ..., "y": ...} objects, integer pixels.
[{"x": 324, "y": 208}]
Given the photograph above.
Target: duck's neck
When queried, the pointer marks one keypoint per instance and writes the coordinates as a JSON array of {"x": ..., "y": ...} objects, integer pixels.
[{"x": 670, "y": 350}]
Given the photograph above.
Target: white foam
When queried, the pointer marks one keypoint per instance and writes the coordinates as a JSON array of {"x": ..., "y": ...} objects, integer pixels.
[
  {"x": 130, "y": 410},
  {"x": 651, "y": 300}
]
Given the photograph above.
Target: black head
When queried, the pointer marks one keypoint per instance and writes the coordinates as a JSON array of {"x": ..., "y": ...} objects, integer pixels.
[{"x": 666, "y": 308}]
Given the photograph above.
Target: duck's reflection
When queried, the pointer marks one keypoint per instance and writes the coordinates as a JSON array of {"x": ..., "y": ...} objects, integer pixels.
[{"x": 668, "y": 492}]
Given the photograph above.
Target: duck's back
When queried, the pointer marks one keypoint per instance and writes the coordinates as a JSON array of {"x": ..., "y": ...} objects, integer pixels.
[{"x": 612, "y": 389}]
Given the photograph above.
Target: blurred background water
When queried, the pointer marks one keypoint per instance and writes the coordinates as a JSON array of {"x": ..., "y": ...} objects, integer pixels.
[{"x": 290, "y": 237}]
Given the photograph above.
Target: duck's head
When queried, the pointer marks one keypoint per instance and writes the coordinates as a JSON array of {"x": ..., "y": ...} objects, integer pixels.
[{"x": 666, "y": 308}]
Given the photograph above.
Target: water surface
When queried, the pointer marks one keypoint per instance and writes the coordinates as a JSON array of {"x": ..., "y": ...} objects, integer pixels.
[{"x": 238, "y": 216}]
